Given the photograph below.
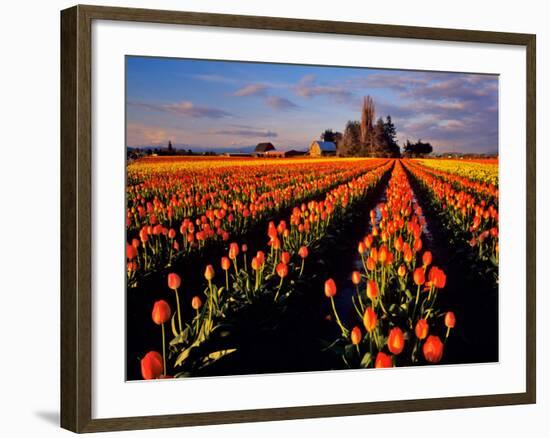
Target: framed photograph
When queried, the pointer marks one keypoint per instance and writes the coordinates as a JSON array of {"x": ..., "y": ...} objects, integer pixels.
[{"x": 268, "y": 218}]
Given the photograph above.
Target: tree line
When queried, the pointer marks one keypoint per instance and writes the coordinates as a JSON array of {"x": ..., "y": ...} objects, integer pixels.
[{"x": 372, "y": 138}]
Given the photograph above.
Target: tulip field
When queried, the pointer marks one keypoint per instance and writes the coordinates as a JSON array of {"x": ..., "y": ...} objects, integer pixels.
[{"x": 263, "y": 265}]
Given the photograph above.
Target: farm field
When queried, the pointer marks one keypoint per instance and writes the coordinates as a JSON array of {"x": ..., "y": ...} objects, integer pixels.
[{"x": 259, "y": 265}]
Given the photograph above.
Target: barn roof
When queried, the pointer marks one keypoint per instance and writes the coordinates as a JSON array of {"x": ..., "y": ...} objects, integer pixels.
[
  {"x": 326, "y": 146},
  {"x": 264, "y": 147}
]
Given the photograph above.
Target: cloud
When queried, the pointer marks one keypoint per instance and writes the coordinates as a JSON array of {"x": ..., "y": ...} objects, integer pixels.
[
  {"x": 214, "y": 78},
  {"x": 184, "y": 108},
  {"x": 140, "y": 134},
  {"x": 246, "y": 133},
  {"x": 251, "y": 90},
  {"x": 307, "y": 87},
  {"x": 280, "y": 103}
]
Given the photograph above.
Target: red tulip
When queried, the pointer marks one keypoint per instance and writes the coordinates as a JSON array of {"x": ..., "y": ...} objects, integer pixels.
[
  {"x": 255, "y": 264},
  {"x": 171, "y": 233},
  {"x": 161, "y": 312},
  {"x": 421, "y": 329},
  {"x": 151, "y": 366},
  {"x": 419, "y": 277},
  {"x": 370, "y": 319},
  {"x": 285, "y": 257},
  {"x": 303, "y": 252},
  {"x": 174, "y": 281},
  {"x": 330, "y": 288},
  {"x": 356, "y": 335},
  {"x": 131, "y": 252},
  {"x": 372, "y": 289},
  {"x": 282, "y": 270},
  {"x": 426, "y": 258},
  {"x": 433, "y": 349},
  {"x": 383, "y": 361},
  {"x": 396, "y": 340},
  {"x": 437, "y": 277}
]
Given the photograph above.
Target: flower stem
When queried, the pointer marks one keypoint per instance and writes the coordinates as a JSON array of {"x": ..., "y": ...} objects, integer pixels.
[{"x": 179, "y": 310}]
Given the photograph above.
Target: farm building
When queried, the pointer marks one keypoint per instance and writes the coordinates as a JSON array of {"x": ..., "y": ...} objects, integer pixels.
[
  {"x": 322, "y": 148},
  {"x": 262, "y": 148},
  {"x": 275, "y": 154},
  {"x": 295, "y": 153}
]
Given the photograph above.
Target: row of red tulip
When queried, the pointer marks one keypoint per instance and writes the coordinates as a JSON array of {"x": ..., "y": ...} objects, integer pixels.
[
  {"x": 158, "y": 244},
  {"x": 476, "y": 220},
  {"x": 270, "y": 274},
  {"x": 396, "y": 288}
]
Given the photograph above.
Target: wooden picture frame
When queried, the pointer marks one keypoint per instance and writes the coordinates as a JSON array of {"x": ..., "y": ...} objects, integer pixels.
[{"x": 76, "y": 218}]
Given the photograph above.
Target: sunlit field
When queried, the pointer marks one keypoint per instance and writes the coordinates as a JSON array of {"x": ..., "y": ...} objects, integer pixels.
[{"x": 260, "y": 265}]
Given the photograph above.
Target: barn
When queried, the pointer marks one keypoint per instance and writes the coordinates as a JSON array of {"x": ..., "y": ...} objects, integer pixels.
[
  {"x": 322, "y": 148},
  {"x": 262, "y": 148}
]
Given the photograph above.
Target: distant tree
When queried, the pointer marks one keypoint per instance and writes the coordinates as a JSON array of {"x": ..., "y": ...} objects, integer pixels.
[
  {"x": 419, "y": 148},
  {"x": 350, "y": 145},
  {"x": 170, "y": 148},
  {"x": 189, "y": 152},
  {"x": 380, "y": 145},
  {"x": 391, "y": 134},
  {"x": 367, "y": 122},
  {"x": 328, "y": 135}
]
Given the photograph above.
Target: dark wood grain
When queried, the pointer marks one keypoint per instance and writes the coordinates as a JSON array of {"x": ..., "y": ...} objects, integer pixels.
[{"x": 76, "y": 224}]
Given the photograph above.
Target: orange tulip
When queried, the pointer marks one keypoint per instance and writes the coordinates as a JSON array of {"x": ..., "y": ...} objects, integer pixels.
[
  {"x": 131, "y": 252},
  {"x": 196, "y": 302},
  {"x": 396, "y": 340},
  {"x": 433, "y": 349},
  {"x": 356, "y": 335},
  {"x": 450, "y": 320},
  {"x": 407, "y": 254},
  {"x": 151, "y": 366},
  {"x": 256, "y": 263},
  {"x": 161, "y": 312},
  {"x": 421, "y": 329},
  {"x": 361, "y": 248},
  {"x": 371, "y": 264},
  {"x": 226, "y": 263},
  {"x": 372, "y": 289},
  {"x": 174, "y": 281},
  {"x": 370, "y": 319},
  {"x": 383, "y": 361},
  {"x": 209, "y": 273},
  {"x": 356, "y": 277},
  {"x": 330, "y": 288},
  {"x": 401, "y": 271},
  {"x": 233, "y": 251}
]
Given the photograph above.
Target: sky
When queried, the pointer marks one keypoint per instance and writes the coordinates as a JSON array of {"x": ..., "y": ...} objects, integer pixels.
[{"x": 203, "y": 104}]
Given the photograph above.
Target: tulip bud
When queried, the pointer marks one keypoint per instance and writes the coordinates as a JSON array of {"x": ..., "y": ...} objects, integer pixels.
[
  {"x": 174, "y": 281},
  {"x": 372, "y": 289},
  {"x": 356, "y": 335},
  {"x": 370, "y": 319},
  {"x": 226, "y": 263},
  {"x": 196, "y": 302},
  {"x": 426, "y": 258},
  {"x": 161, "y": 312},
  {"x": 303, "y": 252},
  {"x": 330, "y": 288},
  {"x": 356, "y": 277},
  {"x": 421, "y": 329},
  {"x": 209, "y": 273},
  {"x": 450, "y": 320},
  {"x": 419, "y": 277}
]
